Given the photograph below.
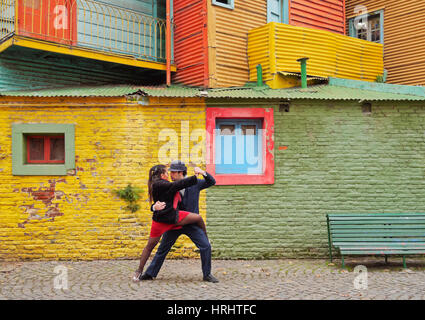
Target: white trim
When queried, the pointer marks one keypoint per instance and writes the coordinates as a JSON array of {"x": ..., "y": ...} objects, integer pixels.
[{"x": 230, "y": 5}]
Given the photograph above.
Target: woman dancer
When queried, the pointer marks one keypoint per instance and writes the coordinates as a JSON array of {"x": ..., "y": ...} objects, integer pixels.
[{"x": 160, "y": 189}]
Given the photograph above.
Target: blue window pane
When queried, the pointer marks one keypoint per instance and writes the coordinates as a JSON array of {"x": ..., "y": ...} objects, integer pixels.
[{"x": 238, "y": 147}]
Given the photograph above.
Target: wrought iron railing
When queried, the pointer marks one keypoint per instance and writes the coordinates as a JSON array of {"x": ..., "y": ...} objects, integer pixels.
[
  {"x": 7, "y": 18},
  {"x": 86, "y": 23}
]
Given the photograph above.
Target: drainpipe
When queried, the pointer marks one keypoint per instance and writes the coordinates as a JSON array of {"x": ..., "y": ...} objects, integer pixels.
[
  {"x": 303, "y": 62},
  {"x": 168, "y": 42},
  {"x": 259, "y": 75}
]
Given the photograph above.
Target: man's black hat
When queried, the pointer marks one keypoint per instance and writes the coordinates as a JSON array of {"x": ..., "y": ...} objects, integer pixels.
[{"x": 177, "y": 165}]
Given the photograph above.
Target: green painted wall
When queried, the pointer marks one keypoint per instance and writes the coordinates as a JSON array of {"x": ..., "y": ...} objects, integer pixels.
[{"x": 338, "y": 160}]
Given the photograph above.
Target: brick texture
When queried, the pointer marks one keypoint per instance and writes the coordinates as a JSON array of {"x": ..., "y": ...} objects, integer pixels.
[
  {"x": 337, "y": 160},
  {"x": 78, "y": 216}
]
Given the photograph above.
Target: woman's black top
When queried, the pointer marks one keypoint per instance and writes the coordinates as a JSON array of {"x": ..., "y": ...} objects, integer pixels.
[{"x": 164, "y": 191}]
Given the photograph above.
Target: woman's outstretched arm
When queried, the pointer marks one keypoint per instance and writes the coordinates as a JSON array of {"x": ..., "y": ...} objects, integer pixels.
[{"x": 182, "y": 184}]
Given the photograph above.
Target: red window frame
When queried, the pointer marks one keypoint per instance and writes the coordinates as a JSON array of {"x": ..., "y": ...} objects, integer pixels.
[
  {"x": 46, "y": 149},
  {"x": 266, "y": 114}
]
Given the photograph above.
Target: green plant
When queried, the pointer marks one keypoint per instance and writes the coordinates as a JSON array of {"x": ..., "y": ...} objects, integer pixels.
[
  {"x": 131, "y": 195},
  {"x": 380, "y": 79}
]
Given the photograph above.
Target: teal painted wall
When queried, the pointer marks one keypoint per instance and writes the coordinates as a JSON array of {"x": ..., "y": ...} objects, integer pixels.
[
  {"x": 338, "y": 160},
  {"x": 22, "y": 68}
]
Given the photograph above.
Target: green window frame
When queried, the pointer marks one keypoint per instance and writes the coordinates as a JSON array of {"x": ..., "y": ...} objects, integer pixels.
[{"x": 20, "y": 167}]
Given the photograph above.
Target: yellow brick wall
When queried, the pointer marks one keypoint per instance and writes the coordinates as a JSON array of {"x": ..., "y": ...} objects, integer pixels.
[{"x": 116, "y": 143}]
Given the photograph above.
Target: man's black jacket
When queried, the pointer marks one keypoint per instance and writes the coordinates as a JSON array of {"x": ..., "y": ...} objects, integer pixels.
[{"x": 190, "y": 201}]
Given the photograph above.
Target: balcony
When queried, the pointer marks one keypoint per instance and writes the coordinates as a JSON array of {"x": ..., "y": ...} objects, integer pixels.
[
  {"x": 86, "y": 28},
  {"x": 277, "y": 46}
]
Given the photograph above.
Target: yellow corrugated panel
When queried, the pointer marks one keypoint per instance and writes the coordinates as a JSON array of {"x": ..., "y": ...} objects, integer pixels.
[
  {"x": 329, "y": 54},
  {"x": 258, "y": 50},
  {"x": 404, "y": 41}
]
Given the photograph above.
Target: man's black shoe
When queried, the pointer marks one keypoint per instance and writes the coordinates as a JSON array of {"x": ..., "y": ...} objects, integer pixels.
[
  {"x": 145, "y": 277},
  {"x": 211, "y": 278}
]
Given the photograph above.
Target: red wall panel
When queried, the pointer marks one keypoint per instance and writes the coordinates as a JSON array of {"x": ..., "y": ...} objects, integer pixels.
[
  {"x": 318, "y": 14},
  {"x": 190, "y": 42}
]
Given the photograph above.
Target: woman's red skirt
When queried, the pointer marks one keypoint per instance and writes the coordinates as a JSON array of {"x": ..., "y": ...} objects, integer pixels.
[{"x": 158, "y": 228}]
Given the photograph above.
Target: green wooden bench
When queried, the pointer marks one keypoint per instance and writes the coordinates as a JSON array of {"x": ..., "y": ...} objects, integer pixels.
[{"x": 377, "y": 234}]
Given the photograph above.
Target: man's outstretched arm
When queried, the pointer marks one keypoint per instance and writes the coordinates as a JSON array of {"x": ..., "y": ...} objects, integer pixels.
[{"x": 208, "y": 180}]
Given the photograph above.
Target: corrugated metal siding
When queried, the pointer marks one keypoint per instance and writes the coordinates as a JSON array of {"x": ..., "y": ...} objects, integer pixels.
[
  {"x": 231, "y": 36},
  {"x": 339, "y": 91},
  {"x": 108, "y": 91},
  {"x": 404, "y": 37},
  {"x": 190, "y": 42},
  {"x": 321, "y": 92},
  {"x": 329, "y": 54},
  {"x": 22, "y": 69},
  {"x": 318, "y": 14}
]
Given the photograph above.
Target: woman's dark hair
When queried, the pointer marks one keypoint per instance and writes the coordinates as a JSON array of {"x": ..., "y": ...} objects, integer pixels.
[{"x": 155, "y": 175}]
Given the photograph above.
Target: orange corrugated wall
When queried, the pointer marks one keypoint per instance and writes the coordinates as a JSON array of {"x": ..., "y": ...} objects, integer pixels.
[
  {"x": 404, "y": 40},
  {"x": 318, "y": 14},
  {"x": 230, "y": 64},
  {"x": 190, "y": 42}
]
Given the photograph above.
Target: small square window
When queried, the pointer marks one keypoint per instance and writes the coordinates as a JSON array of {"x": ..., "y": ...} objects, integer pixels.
[
  {"x": 230, "y": 4},
  {"x": 43, "y": 149}
]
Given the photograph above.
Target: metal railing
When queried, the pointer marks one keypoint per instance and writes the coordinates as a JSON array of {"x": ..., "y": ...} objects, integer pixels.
[
  {"x": 7, "y": 18},
  {"x": 86, "y": 23}
]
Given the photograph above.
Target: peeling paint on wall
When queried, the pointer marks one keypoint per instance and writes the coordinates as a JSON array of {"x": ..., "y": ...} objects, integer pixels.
[{"x": 46, "y": 195}]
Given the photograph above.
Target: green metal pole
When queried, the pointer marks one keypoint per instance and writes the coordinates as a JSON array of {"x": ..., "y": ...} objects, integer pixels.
[
  {"x": 329, "y": 238},
  {"x": 259, "y": 75},
  {"x": 404, "y": 262},
  {"x": 303, "y": 62}
]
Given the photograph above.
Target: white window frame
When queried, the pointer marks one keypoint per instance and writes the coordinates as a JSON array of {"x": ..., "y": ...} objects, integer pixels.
[{"x": 230, "y": 5}]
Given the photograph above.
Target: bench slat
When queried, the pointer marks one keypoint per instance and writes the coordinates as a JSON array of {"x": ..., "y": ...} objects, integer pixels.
[
  {"x": 379, "y": 247},
  {"x": 381, "y": 232},
  {"x": 386, "y": 252},
  {"x": 361, "y": 232},
  {"x": 396, "y": 240},
  {"x": 378, "y": 243},
  {"x": 377, "y": 222},
  {"x": 378, "y": 219},
  {"x": 331, "y": 215},
  {"x": 386, "y": 226}
]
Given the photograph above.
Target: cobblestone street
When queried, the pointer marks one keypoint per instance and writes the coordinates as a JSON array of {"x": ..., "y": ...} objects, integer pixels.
[{"x": 239, "y": 280}]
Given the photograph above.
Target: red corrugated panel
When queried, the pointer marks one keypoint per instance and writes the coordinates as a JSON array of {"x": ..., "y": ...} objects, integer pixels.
[
  {"x": 190, "y": 42},
  {"x": 318, "y": 14}
]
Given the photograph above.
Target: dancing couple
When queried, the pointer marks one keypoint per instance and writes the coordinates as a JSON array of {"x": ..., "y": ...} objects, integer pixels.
[{"x": 175, "y": 212}]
